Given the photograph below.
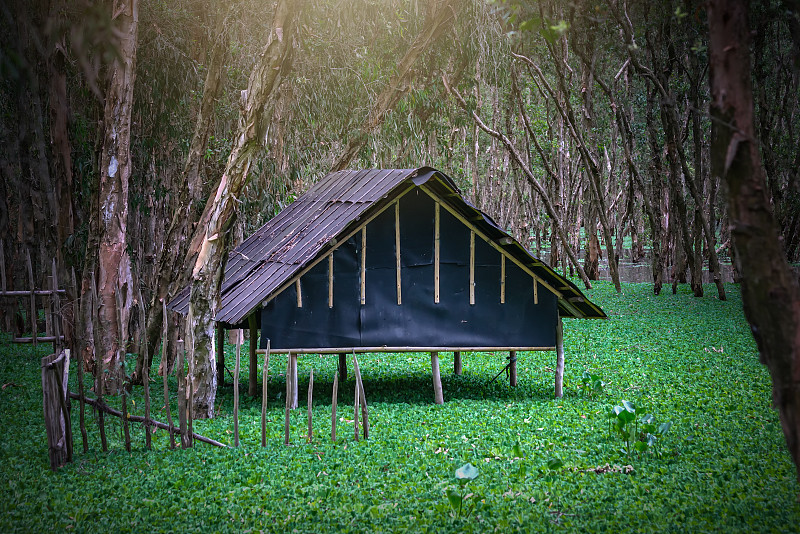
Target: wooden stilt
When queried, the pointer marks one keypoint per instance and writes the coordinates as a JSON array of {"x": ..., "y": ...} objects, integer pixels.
[
  {"x": 236, "y": 391},
  {"x": 252, "y": 381},
  {"x": 437, "y": 379},
  {"x": 457, "y": 362},
  {"x": 512, "y": 368},
  {"x": 220, "y": 355},
  {"x": 559, "y": 358},
  {"x": 264, "y": 380},
  {"x": 343, "y": 365}
]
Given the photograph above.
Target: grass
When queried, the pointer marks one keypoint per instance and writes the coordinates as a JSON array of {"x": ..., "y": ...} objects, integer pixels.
[{"x": 724, "y": 466}]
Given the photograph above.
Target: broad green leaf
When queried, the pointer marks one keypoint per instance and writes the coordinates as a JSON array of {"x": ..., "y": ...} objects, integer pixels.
[{"x": 467, "y": 472}]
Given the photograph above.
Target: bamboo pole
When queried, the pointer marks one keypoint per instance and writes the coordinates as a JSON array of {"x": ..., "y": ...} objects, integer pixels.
[
  {"x": 98, "y": 385},
  {"x": 457, "y": 362},
  {"x": 299, "y": 291},
  {"x": 264, "y": 379},
  {"x": 145, "y": 372},
  {"x": 62, "y": 384},
  {"x": 362, "y": 397},
  {"x": 181, "y": 378},
  {"x": 55, "y": 302},
  {"x": 102, "y": 407},
  {"x": 165, "y": 373},
  {"x": 502, "y": 279},
  {"x": 236, "y": 391},
  {"x": 79, "y": 363},
  {"x": 559, "y": 359},
  {"x": 252, "y": 380},
  {"x": 121, "y": 362},
  {"x": 334, "y": 401},
  {"x": 33, "y": 314},
  {"x": 288, "y": 399},
  {"x": 310, "y": 399},
  {"x": 438, "y": 397}
]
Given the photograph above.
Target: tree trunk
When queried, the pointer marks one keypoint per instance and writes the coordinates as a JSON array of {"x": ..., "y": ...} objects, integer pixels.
[
  {"x": 114, "y": 270},
  {"x": 441, "y": 14},
  {"x": 770, "y": 291},
  {"x": 208, "y": 249}
]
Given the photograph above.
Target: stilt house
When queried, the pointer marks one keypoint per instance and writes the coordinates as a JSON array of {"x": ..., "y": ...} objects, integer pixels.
[{"x": 392, "y": 261}]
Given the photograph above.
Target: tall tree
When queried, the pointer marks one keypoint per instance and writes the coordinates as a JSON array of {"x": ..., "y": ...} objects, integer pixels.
[
  {"x": 770, "y": 291},
  {"x": 208, "y": 248},
  {"x": 113, "y": 279}
]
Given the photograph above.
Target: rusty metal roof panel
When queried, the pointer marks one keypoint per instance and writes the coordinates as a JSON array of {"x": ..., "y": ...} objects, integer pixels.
[{"x": 280, "y": 249}]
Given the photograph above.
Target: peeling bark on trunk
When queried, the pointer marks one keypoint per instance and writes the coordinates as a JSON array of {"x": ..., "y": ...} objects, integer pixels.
[
  {"x": 208, "y": 249},
  {"x": 440, "y": 18},
  {"x": 770, "y": 291},
  {"x": 113, "y": 267}
]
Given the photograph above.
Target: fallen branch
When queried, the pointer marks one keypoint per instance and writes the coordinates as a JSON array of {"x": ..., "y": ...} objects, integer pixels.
[{"x": 103, "y": 407}]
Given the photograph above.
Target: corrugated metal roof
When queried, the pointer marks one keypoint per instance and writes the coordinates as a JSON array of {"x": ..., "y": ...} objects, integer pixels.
[{"x": 280, "y": 249}]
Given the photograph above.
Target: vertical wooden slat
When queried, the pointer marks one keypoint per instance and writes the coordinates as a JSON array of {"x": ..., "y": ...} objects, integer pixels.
[
  {"x": 457, "y": 362},
  {"x": 397, "y": 249},
  {"x": 559, "y": 358},
  {"x": 363, "y": 266},
  {"x": 330, "y": 280},
  {"x": 299, "y": 292},
  {"x": 56, "y": 311},
  {"x": 181, "y": 378},
  {"x": 436, "y": 253},
  {"x": 502, "y": 279},
  {"x": 264, "y": 379},
  {"x": 472, "y": 268},
  {"x": 165, "y": 373},
  {"x": 535, "y": 291},
  {"x": 33, "y": 314}
]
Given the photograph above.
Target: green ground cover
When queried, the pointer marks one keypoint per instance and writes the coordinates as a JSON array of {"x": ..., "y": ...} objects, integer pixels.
[{"x": 543, "y": 464}]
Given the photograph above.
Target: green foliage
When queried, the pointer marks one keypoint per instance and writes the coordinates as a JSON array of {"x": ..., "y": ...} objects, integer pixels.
[
  {"x": 542, "y": 461},
  {"x": 638, "y": 431}
]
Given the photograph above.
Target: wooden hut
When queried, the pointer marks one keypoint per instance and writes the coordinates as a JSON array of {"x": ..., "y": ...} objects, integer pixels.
[{"x": 393, "y": 261}]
